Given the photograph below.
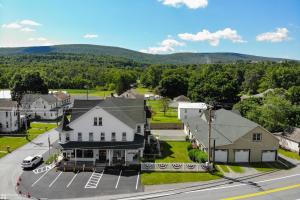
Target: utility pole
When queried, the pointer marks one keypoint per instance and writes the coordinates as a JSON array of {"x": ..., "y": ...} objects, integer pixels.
[{"x": 209, "y": 134}]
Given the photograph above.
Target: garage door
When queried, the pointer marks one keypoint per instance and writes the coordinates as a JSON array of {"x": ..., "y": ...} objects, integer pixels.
[
  {"x": 221, "y": 155},
  {"x": 269, "y": 156},
  {"x": 241, "y": 155}
]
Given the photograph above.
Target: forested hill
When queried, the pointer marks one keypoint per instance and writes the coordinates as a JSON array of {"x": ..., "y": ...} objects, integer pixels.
[{"x": 176, "y": 58}]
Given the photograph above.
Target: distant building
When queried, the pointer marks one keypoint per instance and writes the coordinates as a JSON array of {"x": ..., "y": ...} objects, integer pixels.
[
  {"x": 290, "y": 140},
  {"x": 187, "y": 110},
  {"x": 176, "y": 100},
  {"x": 8, "y": 116},
  {"x": 131, "y": 94},
  {"x": 5, "y": 94},
  {"x": 260, "y": 95}
]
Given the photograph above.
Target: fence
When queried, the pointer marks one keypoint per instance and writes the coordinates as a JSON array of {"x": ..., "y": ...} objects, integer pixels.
[
  {"x": 183, "y": 167},
  {"x": 166, "y": 126}
]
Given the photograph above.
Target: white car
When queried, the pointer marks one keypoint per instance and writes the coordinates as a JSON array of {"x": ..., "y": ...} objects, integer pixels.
[{"x": 31, "y": 161}]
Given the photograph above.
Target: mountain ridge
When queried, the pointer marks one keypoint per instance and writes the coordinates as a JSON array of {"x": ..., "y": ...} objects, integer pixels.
[{"x": 174, "y": 58}]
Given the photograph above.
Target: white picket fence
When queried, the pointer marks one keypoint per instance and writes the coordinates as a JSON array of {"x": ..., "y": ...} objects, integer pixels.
[{"x": 183, "y": 167}]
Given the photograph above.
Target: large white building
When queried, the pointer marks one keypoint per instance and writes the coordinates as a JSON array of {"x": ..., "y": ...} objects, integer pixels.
[
  {"x": 45, "y": 106},
  {"x": 109, "y": 131},
  {"x": 8, "y": 116},
  {"x": 187, "y": 109}
]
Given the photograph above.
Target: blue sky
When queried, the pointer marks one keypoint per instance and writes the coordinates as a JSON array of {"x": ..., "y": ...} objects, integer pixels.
[{"x": 259, "y": 27}]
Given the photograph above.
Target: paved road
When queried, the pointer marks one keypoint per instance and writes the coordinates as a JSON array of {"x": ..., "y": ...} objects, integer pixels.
[{"x": 10, "y": 168}]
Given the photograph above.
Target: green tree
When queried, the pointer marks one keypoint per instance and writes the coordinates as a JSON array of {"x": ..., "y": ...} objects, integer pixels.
[
  {"x": 294, "y": 94},
  {"x": 173, "y": 86}
]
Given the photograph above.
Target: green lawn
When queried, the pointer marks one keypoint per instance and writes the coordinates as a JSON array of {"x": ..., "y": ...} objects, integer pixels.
[
  {"x": 16, "y": 142},
  {"x": 236, "y": 168},
  {"x": 174, "y": 152},
  {"x": 224, "y": 168},
  {"x": 159, "y": 117},
  {"x": 289, "y": 154},
  {"x": 92, "y": 92},
  {"x": 155, "y": 178}
]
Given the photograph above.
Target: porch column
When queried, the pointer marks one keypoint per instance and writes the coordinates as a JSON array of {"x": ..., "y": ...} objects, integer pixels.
[{"x": 125, "y": 156}]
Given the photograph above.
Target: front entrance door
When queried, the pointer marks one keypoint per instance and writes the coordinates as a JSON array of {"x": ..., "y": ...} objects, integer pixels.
[{"x": 102, "y": 155}]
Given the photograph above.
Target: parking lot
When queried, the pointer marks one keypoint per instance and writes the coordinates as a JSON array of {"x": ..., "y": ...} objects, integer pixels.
[{"x": 54, "y": 184}]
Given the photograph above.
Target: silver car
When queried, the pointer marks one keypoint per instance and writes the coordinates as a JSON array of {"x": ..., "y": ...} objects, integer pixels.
[{"x": 31, "y": 161}]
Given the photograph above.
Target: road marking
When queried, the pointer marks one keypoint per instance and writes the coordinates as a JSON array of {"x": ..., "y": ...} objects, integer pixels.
[
  {"x": 264, "y": 192},
  {"x": 94, "y": 180},
  {"x": 118, "y": 180},
  {"x": 203, "y": 190},
  {"x": 43, "y": 169},
  {"x": 71, "y": 181},
  {"x": 40, "y": 178},
  {"x": 55, "y": 179},
  {"x": 137, "y": 181}
]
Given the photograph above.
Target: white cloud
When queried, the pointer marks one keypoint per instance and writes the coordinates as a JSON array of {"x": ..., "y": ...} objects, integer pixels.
[
  {"x": 192, "y": 4},
  {"x": 26, "y": 29},
  {"x": 89, "y": 36},
  {"x": 279, "y": 35},
  {"x": 13, "y": 25},
  {"x": 166, "y": 46},
  {"x": 214, "y": 37},
  {"x": 29, "y": 22},
  {"x": 41, "y": 39}
]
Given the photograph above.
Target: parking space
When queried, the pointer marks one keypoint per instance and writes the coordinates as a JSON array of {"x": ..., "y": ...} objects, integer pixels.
[{"x": 56, "y": 184}]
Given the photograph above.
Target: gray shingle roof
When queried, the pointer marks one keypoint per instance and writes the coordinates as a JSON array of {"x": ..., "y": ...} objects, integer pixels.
[
  {"x": 227, "y": 127},
  {"x": 30, "y": 98},
  {"x": 129, "y": 111},
  {"x": 7, "y": 104}
]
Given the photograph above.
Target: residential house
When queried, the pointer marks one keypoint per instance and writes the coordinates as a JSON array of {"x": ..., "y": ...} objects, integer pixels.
[
  {"x": 176, "y": 100},
  {"x": 109, "y": 131},
  {"x": 8, "y": 116},
  {"x": 44, "y": 106},
  {"x": 5, "y": 94},
  {"x": 63, "y": 99},
  {"x": 187, "y": 110},
  {"x": 131, "y": 94},
  {"x": 290, "y": 140},
  {"x": 236, "y": 138}
]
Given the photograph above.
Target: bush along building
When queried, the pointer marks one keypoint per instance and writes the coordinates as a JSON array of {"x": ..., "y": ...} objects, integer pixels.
[{"x": 104, "y": 132}]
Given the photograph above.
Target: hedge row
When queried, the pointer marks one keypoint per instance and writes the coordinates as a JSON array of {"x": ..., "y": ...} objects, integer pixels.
[{"x": 197, "y": 155}]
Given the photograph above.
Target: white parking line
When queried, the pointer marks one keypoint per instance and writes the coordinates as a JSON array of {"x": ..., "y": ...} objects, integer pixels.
[
  {"x": 55, "y": 179},
  {"x": 118, "y": 180},
  {"x": 40, "y": 178},
  {"x": 94, "y": 180},
  {"x": 71, "y": 181},
  {"x": 137, "y": 181}
]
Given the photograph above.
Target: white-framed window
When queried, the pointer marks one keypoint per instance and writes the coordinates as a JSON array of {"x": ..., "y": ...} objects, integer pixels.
[
  {"x": 79, "y": 136},
  {"x": 256, "y": 137},
  {"x": 100, "y": 121},
  {"x": 6, "y": 113},
  {"x": 91, "y": 136},
  {"x": 95, "y": 121},
  {"x": 102, "y": 136},
  {"x": 113, "y": 136},
  {"x": 124, "y": 136},
  {"x": 138, "y": 128},
  {"x": 7, "y": 126},
  {"x": 67, "y": 137}
]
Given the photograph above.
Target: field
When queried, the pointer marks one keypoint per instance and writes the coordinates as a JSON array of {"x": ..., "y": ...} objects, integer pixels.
[
  {"x": 16, "y": 142},
  {"x": 159, "y": 117}
]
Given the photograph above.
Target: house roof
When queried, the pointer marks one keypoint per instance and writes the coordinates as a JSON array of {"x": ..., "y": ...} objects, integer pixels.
[
  {"x": 64, "y": 124},
  {"x": 131, "y": 94},
  {"x": 138, "y": 142},
  {"x": 294, "y": 135},
  {"x": 129, "y": 111},
  {"x": 61, "y": 96},
  {"x": 227, "y": 127},
  {"x": 181, "y": 98},
  {"x": 259, "y": 95},
  {"x": 30, "y": 98},
  {"x": 7, "y": 104},
  {"x": 192, "y": 105}
]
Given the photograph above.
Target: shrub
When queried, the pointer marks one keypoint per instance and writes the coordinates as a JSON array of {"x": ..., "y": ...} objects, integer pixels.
[
  {"x": 190, "y": 147},
  {"x": 197, "y": 155}
]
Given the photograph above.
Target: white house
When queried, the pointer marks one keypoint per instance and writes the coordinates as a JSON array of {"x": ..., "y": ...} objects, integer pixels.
[
  {"x": 108, "y": 132},
  {"x": 290, "y": 140},
  {"x": 8, "y": 116},
  {"x": 45, "y": 106},
  {"x": 187, "y": 109}
]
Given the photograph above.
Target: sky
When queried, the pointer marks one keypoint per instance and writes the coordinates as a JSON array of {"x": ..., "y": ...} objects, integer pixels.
[{"x": 258, "y": 27}]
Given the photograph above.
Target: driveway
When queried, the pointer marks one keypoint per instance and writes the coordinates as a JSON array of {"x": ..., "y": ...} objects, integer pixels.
[
  {"x": 10, "y": 168},
  {"x": 176, "y": 135},
  {"x": 54, "y": 184}
]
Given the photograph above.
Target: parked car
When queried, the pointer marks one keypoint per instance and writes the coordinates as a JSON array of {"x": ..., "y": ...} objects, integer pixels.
[{"x": 31, "y": 161}]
